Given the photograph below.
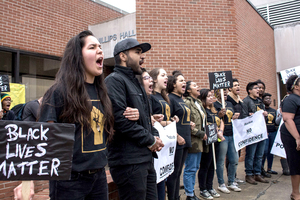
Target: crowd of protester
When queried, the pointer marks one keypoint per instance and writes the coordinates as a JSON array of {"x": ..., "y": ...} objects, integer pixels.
[{"x": 124, "y": 106}]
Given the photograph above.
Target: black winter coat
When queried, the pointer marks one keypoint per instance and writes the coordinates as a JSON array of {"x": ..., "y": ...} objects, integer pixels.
[{"x": 131, "y": 138}]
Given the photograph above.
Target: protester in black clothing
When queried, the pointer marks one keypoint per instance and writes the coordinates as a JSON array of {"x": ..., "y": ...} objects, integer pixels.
[
  {"x": 79, "y": 96},
  {"x": 30, "y": 111},
  {"x": 6, "y": 102},
  {"x": 290, "y": 132},
  {"x": 206, "y": 172},
  {"x": 176, "y": 87},
  {"x": 272, "y": 130},
  {"x": 254, "y": 152},
  {"x": 133, "y": 141}
]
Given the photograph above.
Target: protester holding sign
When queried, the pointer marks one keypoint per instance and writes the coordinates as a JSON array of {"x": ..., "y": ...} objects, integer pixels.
[
  {"x": 6, "y": 101},
  {"x": 206, "y": 172},
  {"x": 254, "y": 152},
  {"x": 226, "y": 148},
  {"x": 198, "y": 116},
  {"x": 272, "y": 130},
  {"x": 176, "y": 87},
  {"x": 290, "y": 132},
  {"x": 79, "y": 96},
  {"x": 160, "y": 105}
]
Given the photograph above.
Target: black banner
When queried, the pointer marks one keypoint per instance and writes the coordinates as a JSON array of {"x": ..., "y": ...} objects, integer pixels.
[
  {"x": 220, "y": 80},
  {"x": 4, "y": 83},
  {"x": 35, "y": 151},
  {"x": 211, "y": 132}
]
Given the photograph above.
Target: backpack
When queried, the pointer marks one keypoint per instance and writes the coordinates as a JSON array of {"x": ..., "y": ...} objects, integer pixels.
[{"x": 18, "y": 110}]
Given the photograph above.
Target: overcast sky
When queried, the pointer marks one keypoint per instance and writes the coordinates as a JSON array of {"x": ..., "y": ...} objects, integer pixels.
[{"x": 126, "y": 5}]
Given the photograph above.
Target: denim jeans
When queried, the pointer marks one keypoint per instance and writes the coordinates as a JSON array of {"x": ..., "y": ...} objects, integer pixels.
[
  {"x": 192, "y": 164},
  {"x": 268, "y": 147},
  {"x": 227, "y": 148},
  {"x": 253, "y": 158},
  {"x": 161, "y": 190},
  {"x": 81, "y": 186}
]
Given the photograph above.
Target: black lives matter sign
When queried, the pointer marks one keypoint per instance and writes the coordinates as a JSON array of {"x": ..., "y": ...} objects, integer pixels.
[
  {"x": 220, "y": 80},
  {"x": 35, "y": 151},
  {"x": 211, "y": 132},
  {"x": 4, "y": 83}
]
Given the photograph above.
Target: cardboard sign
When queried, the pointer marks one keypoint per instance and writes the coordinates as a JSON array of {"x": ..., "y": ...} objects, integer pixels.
[
  {"x": 249, "y": 130},
  {"x": 277, "y": 148},
  {"x": 285, "y": 74},
  {"x": 220, "y": 80},
  {"x": 211, "y": 132},
  {"x": 35, "y": 150},
  {"x": 164, "y": 165},
  {"x": 4, "y": 83}
]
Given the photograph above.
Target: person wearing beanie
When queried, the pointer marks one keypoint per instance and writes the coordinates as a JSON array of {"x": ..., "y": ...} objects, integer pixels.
[{"x": 6, "y": 102}]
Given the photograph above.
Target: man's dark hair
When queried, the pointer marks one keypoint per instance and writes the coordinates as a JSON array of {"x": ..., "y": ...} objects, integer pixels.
[
  {"x": 118, "y": 59},
  {"x": 250, "y": 86},
  {"x": 259, "y": 81},
  {"x": 235, "y": 80},
  {"x": 266, "y": 95}
]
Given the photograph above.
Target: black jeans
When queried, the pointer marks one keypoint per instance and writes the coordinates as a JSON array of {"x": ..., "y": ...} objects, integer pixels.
[
  {"x": 173, "y": 181},
  {"x": 135, "y": 182},
  {"x": 82, "y": 186},
  {"x": 206, "y": 172}
]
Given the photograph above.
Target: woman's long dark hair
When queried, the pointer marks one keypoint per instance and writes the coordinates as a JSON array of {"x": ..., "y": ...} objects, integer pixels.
[
  {"x": 203, "y": 95},
  {"x": 154, "y": 74},
  {"x": 70, "y": 82},
  {"x": 172, "y": 80}
]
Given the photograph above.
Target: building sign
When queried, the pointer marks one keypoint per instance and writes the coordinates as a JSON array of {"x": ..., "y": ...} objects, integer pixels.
[{"x": 111, "y": 32}]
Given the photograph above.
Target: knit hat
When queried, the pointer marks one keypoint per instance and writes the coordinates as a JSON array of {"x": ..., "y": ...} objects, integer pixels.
[{"x": 4, "y": 96}]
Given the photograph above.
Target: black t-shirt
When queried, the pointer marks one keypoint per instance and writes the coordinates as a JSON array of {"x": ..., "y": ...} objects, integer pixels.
[
  {"x": 30, "y": 111},
  {"x": 227, "y": 119},
  {"x": 89, "y": 150},
  {"x": 270, "y": 120},
  {"x": 160, "y": 106},
  {"x": 237, "y": 106},
  {"x": 212, "y": 117},
  {"x": 179, "y": 108},
  {"x": 259, "y": 105},
  {"x": 291, "y": 104}
]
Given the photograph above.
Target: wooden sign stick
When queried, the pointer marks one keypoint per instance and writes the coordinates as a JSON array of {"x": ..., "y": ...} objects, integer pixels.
[{"x": 26, "y": 189}]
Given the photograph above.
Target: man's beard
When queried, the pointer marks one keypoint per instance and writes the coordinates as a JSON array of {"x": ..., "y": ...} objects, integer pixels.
[{"x": 134, "y": 66}]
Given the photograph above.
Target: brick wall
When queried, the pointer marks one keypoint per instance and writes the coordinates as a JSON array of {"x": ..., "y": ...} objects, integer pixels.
[
  {"x": 198, "y": 37},
  {"x": 192, "y": 35},
  {"x": 256, "y": 49},
  {"x": 46, "y": 26}
]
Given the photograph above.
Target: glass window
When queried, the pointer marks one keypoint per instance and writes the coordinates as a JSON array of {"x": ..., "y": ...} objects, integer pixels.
[
  {"x": 6, "y": 63},
  {"x": 37, "y": 74}
]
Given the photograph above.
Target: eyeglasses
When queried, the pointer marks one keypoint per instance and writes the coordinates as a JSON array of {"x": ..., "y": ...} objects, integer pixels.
[
  {"x": 147, "y": 78},
  {"x": 256, "y": 88},
  {"x": 7, "y": 99}
]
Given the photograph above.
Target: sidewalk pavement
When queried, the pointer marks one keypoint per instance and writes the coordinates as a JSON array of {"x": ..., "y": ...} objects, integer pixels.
[{"x": 278, "y": 188}]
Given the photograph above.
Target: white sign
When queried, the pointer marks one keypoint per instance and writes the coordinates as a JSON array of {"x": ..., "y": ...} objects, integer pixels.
[
  {"x": 164, "y": 165},
  {"x": 277, "y": 148},
  {"x": 249, "y": 130},
  {"x": 285, "y": 74}
]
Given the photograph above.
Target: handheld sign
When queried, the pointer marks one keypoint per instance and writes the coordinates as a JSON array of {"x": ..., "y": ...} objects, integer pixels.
[
  {"x": 220, "y": 80},
  {"x": 35, "y": 150},
  {"x": 4, "y": 83},
  {"x": 211, "y": 132}
]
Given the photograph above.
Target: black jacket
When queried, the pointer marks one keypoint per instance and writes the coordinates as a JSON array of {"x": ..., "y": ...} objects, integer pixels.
[{"x": 132, "y": 138}]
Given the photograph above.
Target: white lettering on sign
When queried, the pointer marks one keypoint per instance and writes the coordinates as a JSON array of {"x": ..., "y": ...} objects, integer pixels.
[{"x": 23, "y": 150}]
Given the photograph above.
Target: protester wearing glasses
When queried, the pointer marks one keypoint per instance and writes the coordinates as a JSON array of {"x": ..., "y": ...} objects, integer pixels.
[
  {"x": 6, "y": 102},
  {"x": 290, "y": 132},
  {"x": 254, "y": 152}
]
